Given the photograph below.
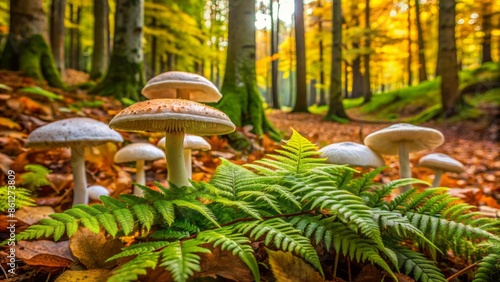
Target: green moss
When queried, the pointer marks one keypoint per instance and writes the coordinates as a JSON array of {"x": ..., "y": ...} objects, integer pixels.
[{"x": 124, "y": 79}]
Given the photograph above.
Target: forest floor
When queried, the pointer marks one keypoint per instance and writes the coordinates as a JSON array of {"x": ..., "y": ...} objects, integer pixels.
[{"x": 473, "y": 142}]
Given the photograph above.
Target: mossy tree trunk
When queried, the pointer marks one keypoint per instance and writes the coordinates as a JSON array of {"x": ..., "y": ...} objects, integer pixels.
[
  {"x": 125, "y": 77},
  {"x": 241, "y": 100},
  {"x": 26, "y": 49},
  {"x": 100, "y": 54},
  {"x": 335, "y": 107}
]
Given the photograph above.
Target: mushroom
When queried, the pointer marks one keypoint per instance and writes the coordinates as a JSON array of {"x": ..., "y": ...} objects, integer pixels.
[
  {"x": 401, "y": 139},
  {"x": 352, "y": 154},
  {"x": 175, "y": 117},
  {"x": 76, "y": 133},
  {"x": 191, "y": 142},
  {"x": 96, "y": 191},
  {"x": 440, "y": 163},
  {"x": 176, "y": 84},
  {"x": 138, "y": 152}
]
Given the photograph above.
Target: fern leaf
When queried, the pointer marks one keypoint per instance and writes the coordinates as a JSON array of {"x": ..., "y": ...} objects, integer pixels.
[
  {"x": 138, "y": 249},
  {"x": 166, "y": 209},
  {"x": 126, "y": 220},
  {"x": 21, "y": 198},
  {"x": 415, "y": 263},
  {"x": 145, "y": 215},
  {"x": 109, "y": 223},
  {"x": 169, "y": 234},
  {"x": 70, "y": 222},
  {"x": 236, "y": 243},
  {"x": 489, "y": 269},
  {"x": 181, "y": 258},
  {"x": 112, "y": 203},
  {"x": 200, "y": 208},
  {"x": 131, "y": 270}
]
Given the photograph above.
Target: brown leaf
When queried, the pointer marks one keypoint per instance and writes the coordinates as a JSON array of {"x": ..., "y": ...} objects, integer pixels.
[
  {"x": 5, "y": 163},
  {"x": 45, "y": 253},
  {"x": 289, "y": 268},
  {"x": 92, "y": 250},
  {"x": 93, "y": 275},
  {"x": 8, "y": 123},
  {"x": 32, "y": 215}
]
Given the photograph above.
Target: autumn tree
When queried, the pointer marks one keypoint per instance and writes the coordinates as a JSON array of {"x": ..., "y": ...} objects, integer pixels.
[
  {"x": 422, "y": 71},
  {"x": 125, "y": 77},
  {"x": 100, "y": 55},
  {"x": 241, "y": 100},
  {"x": 300, "y": 53},
  {"x": 57, "y": 31},
  {"x": 274, "y": 50},
  {"x": 335, "y": 107},
  {"x": 447, "y": 66},
  {"x": 26, "y": 49},
  {"x": 367, "y": 93},
  {"x": 487, "y": 26}
]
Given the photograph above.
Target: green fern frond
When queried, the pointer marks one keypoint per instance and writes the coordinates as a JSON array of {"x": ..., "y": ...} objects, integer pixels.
[
  {"x": 376, "y": 198},
  {"x": 415, "y": 263},
  {"x": 236, "y": 243},
  {"x": 198, "y": 207},
  {"x": 489, "y": 266},
  {"x": 169, "y": 234},
  {"x": 365, "y": 182},
  {"x": 181, "y": 258},
  {"x": 16, "y": 199},
  {"x": 284, "y": 236},
  {"x": 140, "y": 248},
  {"x": 131, "y": 270},
  {"x": 35, "y": 176}
]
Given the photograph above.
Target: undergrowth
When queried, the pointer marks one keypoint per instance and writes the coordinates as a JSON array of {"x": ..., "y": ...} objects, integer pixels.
[{"x": 290, "y": 201}]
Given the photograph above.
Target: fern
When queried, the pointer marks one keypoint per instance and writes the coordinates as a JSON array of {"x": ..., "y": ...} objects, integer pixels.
[
  {"x": 181, "y": 258},
  {"x": 35, "y": 176},
  {"x": 16, "y": 199},
  {"x": 489, "y": 266},
  {"x": 131, "y": 270},
  {"x": 415, "y": 263}
]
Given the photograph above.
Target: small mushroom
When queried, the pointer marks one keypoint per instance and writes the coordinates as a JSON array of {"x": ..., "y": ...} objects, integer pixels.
[
  {"x": 175, "y": 117},
  {"x": 96, "y": 191},
  {"x": 138, "y": 152},
  {"x": 76, "y": 133},
  {"x": 401, "y": 139},
  {"x": 440, "y": 163},
  {"x": 177, "y": 84},
  {"x": 191, "y": 142},
  {"x": 352, "y": 154}
]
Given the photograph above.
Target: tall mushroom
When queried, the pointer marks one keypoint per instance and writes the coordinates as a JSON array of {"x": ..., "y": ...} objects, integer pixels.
[
  {"x": 191, "y": 142},
  {"x": 138, "y": 152},
  {"x": 175, "y": 117},
  {"x": 401, "y": 139},
  {"x": 440, "y": 163},
  {"x": 352, "y": 154},
  {"x": 176, "y": 84},
  {"x": 76, "y": 133}
]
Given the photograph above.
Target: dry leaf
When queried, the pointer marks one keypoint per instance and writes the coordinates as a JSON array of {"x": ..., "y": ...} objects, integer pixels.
[
  {"x": 32, "y": 215},
  {"x": 5, "y": 122},
  {"x": 92, "y": 250},
  {"x": 93, "y": 275},
  {"x": 5, "y": 163},
  {"x": 45, "y": 253},
  {"x": 289, "y": 268}
]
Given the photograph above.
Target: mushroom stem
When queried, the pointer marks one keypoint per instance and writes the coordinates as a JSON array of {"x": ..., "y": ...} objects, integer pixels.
[
  {"x": 140, "y": 178},
  {"x": 183, "y": 94},
  {"x": 80, "y": 194},
  {"x": 437, "y": 177},
  {"x": 187, "y": 163},
  {"x": 174, "y": 152},
  {"x": 404, "y": 165}
]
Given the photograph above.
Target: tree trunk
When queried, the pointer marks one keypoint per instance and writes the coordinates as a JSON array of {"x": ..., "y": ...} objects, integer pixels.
[
  {"x": 336, "y": 108},
  {"x": 100, "y": 54},
  {"x": 274, "y": 63},
  {"x": 322, "y": 82},
  {"x": 27, "y": 49},
  {"x": 410, "y": 57},
  {"x": 367, "y": 92},
  {"x": 357, "y": 80},
  {"x": 170, "y": 61},
  {"x": 447, "y": 59},
  {"x": 241, "y": 100},
  {"x": 312, "y": 92},
  {"x": 300, "y": 53},
  {"x": 125, "y": 77},
  {"x": 154, "y": 48},
  {"x": 487, "y": 30},
  {"x": 57, "y": 30},
  {"x": 422, "y": 70}
]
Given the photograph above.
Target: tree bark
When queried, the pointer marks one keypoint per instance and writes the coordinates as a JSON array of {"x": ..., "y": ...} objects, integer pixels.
[
  {"x": 26, "y": 49},
  {"x": 357, "y": 79},
  {"x": 57, "y": 30},
  {"x": 322, "y": 82},
  {"x": 274, "y": 63},
  {"x": 410, "y": 56},
  {"x": 241, "y": 100},
  {"x": 447, "y": 66},
  {"x": 336, "y": 108},
  {"x": 300, "y": 53},
  {"x": 422, "y": 70},
  {"x": 100, "y": 54},
  {"x": 367, "y": 92},
  {"x": 487, "y": 30},
  {"x": 125, "y": 77}
]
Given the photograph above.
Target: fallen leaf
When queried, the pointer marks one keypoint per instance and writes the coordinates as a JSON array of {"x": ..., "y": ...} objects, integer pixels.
[
  {"x": 92, "y": 250},
  {"x": 32, "y": 215},
  {"x": 5, "y": 163},
  {"x": 8, "y": 123},
  {"x": 288, "y": 268},
  {"x": 93, "y": 275},
  {"x": 45, "y": 253}
]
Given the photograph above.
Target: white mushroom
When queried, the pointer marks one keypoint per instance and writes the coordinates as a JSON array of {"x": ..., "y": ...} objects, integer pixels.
[
  {"x": 401, "y": 139},
  {"x": 440, "y": 163},
  {"x": 76, "y": 133},
  {"x": 96, "y": 191},
  {"x": 352, "y": 154}
]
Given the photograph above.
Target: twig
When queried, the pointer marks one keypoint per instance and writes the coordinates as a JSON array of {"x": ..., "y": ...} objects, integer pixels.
[{"x": 461, "y": 272}]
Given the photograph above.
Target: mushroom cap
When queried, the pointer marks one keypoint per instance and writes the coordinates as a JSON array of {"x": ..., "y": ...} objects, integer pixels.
[
  {"x": 165, "y": 85},
  {"x": 351, "y": 153},
  {"x": 191, "y": 142},
  {"x": 417, "y": 138},
  {"x": 96, "y": 191},
  {"x": 173, "y": 115},
  {"x": 138, "y": 152},
  {"x": 438, "y": 161},
  {"x": 71, "y": 132}
]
